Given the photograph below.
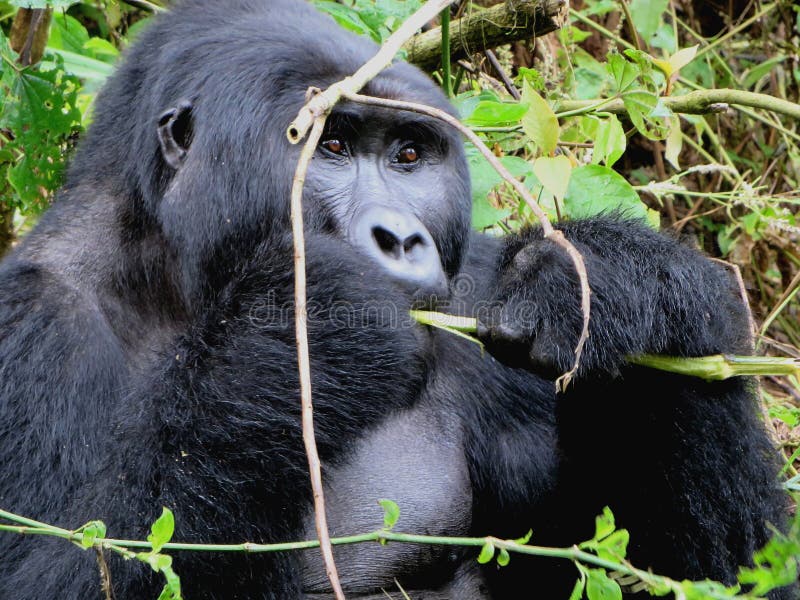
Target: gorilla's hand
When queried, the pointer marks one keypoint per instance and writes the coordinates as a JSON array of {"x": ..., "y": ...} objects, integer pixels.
[
  {"x": 650, "y": 295},
  {"x": 534, "y": 318}
]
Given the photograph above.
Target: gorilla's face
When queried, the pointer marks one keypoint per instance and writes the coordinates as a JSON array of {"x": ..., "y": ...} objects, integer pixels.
[{"x": 389, "y": 182}]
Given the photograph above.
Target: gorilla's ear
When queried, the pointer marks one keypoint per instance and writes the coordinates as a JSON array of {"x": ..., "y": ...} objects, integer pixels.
[{"x": 175, "y": 133}]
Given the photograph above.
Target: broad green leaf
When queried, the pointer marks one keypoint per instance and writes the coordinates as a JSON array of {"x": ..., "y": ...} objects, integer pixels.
[
  {"x": 540, "y": 122},
  {"x": 600, "y": 587},
  {"x": 484, "y": 180},
  {"x": 487, "y": 553},
  {"x": 67, "y": 33},
  {"x": 647, "y": 16},
  {"x": 162, "y": 530},
  {"x": 640, "y": 105},
  {"x": 682, "y": 58},
  {"x": 592, "y": 78},
  {"x": 491, "y": 114},
  {"x": 467, "y": 102},
  {"x": 622, "y": 71},
  {"x": 346, "y": 17},
  {"x": 595, "y": 190},
  {"x": 554, "y": 174},
  {"x": 485, "y": 215},
  {"x": 609, "y": 141},
  {"x": 391, "y": 513}
]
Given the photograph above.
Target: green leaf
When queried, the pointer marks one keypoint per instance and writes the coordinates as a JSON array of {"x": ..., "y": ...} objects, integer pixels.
[
  {"x": 600, "y": 587},
  {"x": 554, "y": 174},
  {"x": 525, "y": 538},
  {"x": 493, "y": 114},
  {"x": 622, "y": 71},
  {"x": 604, "y": 524},
  {"x": 485, "y": 215},
  {"x": 577, "y": 591},
  {"x": 503, "y": 557},
  {"x": 484, "y": 179},
  {"x": 595, "y": 190},
  {"x": 91, "y": 532},
  {"x": 539, "y": 123},
  {"x": 40, "y": 109},
  {"x": 641, "y": 105},
  {"x": 487, "y": 553},
  {"x": 347, "y": 18},
  {"x": 391, "y": 513},
  {"x": 615, "y": 546},
  {"x": 609, "y": 141},
  {"x": 682, "y": 58},
  {"x": 647, "y": 16},
  {"x": 162, "y": 530}
]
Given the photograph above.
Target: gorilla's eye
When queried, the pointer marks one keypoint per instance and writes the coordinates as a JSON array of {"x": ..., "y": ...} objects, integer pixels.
[
  {"x": 408, "y": 155},
  {"x": 335, "y": 146}
]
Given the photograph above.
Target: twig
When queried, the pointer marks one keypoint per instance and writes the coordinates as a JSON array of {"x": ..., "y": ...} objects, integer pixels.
[
  {"x": 547, "y": 229},
  {"x": 322, "y": 103},
  {"x": 312, "y": 116},
  {"x": 498, "y": 68},
  {"x": 697, "y": 102},
  {"x": 303, "y": 361},
  {"x": 145, "y": 5},
  {"x": 503, "y": 23},
  {"x": 105, "y": 574}
]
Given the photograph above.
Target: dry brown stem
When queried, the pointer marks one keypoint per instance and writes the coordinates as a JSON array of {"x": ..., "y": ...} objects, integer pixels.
[{"x": 312, "y": 116}]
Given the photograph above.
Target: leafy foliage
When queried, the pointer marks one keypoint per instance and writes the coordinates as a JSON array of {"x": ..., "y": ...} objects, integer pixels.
[{"x": 39, "y": 118}]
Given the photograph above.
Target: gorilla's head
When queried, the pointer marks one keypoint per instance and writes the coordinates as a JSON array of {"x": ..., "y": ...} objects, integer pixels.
[{"x": 198, "y": 126}]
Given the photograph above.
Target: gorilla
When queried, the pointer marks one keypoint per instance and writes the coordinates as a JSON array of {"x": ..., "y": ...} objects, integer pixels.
[{"x": 147, "y": 354}]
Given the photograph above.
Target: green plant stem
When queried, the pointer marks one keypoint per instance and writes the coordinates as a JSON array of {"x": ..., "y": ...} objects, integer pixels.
[
  {"x": 595, "y": 104},
  {"x": 710, "y": 368},
  {"x": 698, "y": 102},
  {"x": 573, "y": 553},
  {"x": 446, "y": 78}
]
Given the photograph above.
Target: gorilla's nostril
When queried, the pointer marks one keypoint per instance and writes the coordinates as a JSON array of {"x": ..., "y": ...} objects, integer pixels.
[
  {"x": 412, "y": 243},
  {"x": 387, "y": 241}
]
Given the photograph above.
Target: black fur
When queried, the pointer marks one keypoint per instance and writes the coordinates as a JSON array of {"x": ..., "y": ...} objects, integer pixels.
[{"x": 147, "y": 352}]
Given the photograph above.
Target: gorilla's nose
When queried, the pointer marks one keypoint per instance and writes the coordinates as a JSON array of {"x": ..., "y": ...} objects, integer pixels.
[{"x": 401, "y": 244}]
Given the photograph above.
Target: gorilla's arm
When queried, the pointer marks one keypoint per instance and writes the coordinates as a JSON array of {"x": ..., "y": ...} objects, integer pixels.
[{"x": 685, "y": 465}]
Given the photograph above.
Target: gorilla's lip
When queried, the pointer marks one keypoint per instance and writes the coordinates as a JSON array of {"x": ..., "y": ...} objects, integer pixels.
[{"x": 430, "y": 299}]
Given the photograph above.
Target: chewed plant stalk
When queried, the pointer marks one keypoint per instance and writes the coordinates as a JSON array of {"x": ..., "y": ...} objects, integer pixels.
[{"x": 711, "y": 368}]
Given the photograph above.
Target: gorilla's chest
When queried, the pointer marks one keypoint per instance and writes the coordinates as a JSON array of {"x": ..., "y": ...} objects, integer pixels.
[{"x": 416, "y": 459}]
